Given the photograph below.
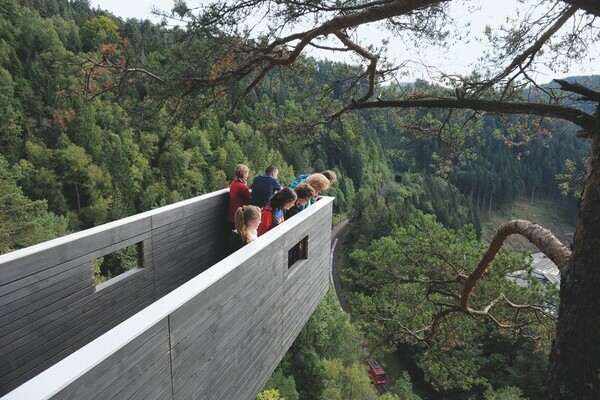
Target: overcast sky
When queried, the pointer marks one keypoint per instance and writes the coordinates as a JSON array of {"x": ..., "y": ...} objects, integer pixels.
[{"x": 459, "y": 58}]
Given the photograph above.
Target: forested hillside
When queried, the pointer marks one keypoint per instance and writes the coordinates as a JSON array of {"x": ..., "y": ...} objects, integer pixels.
[
  {"x": 96, "y": 156},
  {"x": 82, "y": 145},
  {"x": 493, "y": 161}
]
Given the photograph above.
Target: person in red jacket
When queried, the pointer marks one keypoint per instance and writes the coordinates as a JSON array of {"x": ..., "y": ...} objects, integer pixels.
[
  {"x": 239, "y": 193},
  {"x": 273, "y": 213}
]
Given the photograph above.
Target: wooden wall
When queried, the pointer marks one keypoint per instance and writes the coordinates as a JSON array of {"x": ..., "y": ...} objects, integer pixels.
[
  {"x": 50, "y": 305},
  {"x": 218, "y": 336}
]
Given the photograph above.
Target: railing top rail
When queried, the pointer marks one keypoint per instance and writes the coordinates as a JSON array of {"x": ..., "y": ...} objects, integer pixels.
[
  {"x": 60, "y": 375},
  {"x": 14, "y": 255}
]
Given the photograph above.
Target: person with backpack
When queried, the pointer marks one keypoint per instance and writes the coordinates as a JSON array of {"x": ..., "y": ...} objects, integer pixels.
[{"x": 273, "y": 213}]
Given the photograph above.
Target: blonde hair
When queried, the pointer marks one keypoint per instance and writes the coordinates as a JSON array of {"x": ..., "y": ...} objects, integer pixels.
[
  {"x": 243, "y": 216},
  {"x": 318, "y": 182},
  {"x": 241, "y": 171}
]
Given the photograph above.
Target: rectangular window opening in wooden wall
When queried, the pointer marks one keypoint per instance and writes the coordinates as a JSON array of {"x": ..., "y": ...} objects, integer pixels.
[
  {"x": 117, "y": 263},
  {"x": 298, "y": 252}
]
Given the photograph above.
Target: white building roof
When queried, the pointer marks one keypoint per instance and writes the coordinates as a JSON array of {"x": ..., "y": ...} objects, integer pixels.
[
  {"x": 543, "y": 269},
  {"x": 543, "y": 266}
]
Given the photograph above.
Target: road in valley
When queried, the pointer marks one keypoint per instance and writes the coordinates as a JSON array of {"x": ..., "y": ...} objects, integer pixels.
[{"x": 338, "y": 236}]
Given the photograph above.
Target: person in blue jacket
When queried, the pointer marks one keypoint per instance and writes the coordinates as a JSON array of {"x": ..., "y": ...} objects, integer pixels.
[{"x": 264, "y": 186}]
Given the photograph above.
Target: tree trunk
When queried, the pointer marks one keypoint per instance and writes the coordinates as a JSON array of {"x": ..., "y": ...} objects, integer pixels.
[
  {"x": 574, "y": 371},
  {"x": 78, "y": 200}
]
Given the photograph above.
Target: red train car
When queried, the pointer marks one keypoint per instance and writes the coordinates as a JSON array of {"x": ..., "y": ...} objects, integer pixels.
[{"x": 376, "y": 371}]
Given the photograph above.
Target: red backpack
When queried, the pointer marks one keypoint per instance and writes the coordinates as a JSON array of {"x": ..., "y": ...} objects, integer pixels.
[{"x": 266, "y": 220}]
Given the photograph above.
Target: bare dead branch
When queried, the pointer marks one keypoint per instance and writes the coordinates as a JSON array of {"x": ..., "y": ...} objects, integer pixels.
[
  {"x": 589, "y": 6},
  {"x": 371, "y": 70},
  {"x": 534, "y": 84},
  {"x": 539, "y": 309},
  {"x": 588, "y": 94},
  {"x": 144, "y": 71},
  {"x": 318, "y": 46}
]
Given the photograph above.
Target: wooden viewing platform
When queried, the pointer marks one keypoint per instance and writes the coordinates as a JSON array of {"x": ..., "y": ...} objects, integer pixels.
[{"x": 186, "y": 324}]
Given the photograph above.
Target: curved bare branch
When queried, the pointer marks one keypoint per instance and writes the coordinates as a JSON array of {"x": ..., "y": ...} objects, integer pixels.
[{"x": 536, "y": 234}]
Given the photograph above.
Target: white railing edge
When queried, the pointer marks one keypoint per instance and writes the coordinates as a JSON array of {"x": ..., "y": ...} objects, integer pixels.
[{"x": 27, "y": 251}]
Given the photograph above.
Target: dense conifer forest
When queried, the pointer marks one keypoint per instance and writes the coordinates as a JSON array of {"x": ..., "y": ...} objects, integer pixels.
[{"x": 79, "y": 147}]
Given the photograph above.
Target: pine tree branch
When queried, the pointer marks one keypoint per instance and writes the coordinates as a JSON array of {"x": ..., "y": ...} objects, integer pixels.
[
  {"x": 529, "y": 53},
  {"x": 536, "y": 234},
  {"x": 589, "y": 6},
  {"x": 589, "y": 123},
  {"x": 588, "y": 94}
]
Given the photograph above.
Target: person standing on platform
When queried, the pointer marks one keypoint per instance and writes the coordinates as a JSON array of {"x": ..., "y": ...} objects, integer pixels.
[
  {"x": 247, "y": 219},
  {"x": 264, "y": 186},
  {"x": 239, "y": 193}
]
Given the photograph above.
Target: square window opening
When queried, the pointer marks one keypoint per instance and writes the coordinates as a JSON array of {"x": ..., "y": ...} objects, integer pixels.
[
  {"x": 114, "y": 264},
  {"x": 298, "y": 252}
]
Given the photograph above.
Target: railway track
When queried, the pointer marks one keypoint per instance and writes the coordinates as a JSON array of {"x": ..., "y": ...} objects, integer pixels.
[{"x": 381, "y": 389}]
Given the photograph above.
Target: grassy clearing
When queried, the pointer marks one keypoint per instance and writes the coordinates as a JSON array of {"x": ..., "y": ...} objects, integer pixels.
[{"x": 551, "y": 214}]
